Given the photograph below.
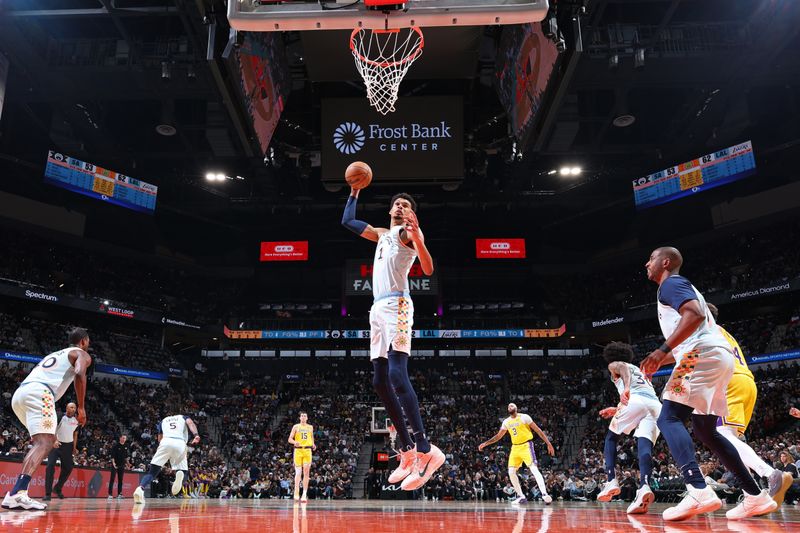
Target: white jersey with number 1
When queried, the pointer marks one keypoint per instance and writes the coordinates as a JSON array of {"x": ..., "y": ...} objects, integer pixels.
[{"x": 393, "y": 261}]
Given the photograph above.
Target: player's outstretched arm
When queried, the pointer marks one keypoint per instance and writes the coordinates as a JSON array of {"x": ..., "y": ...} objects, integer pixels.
[
  {"x": 536, "y": 429},
  {"x": 291, "y": 436},
  {"x": 415, "y": 235},
  {"x": 500, "y": 435},
  {"x": 359, "y": 227},
  {"x": 193, "y": 429},
  {"x": 81, "y": 363},
  {"x": 620, "y": 369}
]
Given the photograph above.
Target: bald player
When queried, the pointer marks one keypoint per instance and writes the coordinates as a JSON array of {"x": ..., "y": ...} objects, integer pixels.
[
  {"x": 519, "y": 425},
  {"x": 64, "y": 448},
  {"x": 696, "y": 388}
]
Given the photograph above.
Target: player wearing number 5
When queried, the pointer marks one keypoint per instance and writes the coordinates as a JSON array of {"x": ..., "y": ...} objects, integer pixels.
[
  {"x": 519, "y": 425},
  {"x": 173, "y": 434},
  {"x": 34, "y": 403},
  {"x": 302, "y": 438}
]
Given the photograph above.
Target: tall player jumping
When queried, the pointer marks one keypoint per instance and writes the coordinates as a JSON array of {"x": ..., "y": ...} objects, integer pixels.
[
  {"x": 522, "y": 452},
  {"x": 697, "y": 389},
  {"x": 34, "y": 403},
  {"x": 742, "y": 393},
  {"x": 391, "y": 319},
  {"x": 302, "y": 438},
  {"x": 638, "y": 409}
]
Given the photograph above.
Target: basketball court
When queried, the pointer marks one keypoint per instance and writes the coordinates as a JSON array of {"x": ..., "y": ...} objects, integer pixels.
[{"x": 232, "y": 516}]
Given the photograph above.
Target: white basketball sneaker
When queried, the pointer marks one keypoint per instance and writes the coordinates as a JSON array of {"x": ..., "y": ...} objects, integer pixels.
[
  {"x": 177, "y": 485},
  {"x": 640, "y": 504},
  {"x": 405, "y": 467},
  {"x": 547, "y": 499},
  {"x": 138, "y": 495},
  {"x": 696, "y": 501},
  {"x": 21, "y": 500},
  {"x": 753, "y": 506},
  {"x": 610, "y": 489}
]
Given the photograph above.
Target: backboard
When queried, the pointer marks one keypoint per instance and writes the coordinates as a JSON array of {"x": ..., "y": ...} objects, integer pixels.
[{"x": 300, "y": 15}]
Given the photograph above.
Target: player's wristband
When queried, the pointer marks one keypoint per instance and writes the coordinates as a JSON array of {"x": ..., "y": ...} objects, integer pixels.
[{"x": 665, "y": 348}]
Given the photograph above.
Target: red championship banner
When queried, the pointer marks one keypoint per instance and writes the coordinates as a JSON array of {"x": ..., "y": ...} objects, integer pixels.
[
  {"x": 500, "y": 248},
  {"x": 82, "y": 482},
  {"x": 284, "y": 251}
]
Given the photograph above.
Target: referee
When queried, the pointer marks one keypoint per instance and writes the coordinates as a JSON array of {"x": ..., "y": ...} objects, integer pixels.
[{"x": 65, "y": 447}]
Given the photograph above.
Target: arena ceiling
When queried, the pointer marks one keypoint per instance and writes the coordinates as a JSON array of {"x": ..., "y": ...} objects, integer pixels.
[{"x": 88, "y": 77}]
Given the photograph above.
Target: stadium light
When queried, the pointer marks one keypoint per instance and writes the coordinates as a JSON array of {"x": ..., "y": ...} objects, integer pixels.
[
  {"x": 564, "y": 171},
  {"x": 551, "y": 172},
  {"x": 575, "y": 171}
]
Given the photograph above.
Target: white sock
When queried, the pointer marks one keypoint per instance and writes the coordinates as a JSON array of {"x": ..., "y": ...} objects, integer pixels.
[
  {"x": 748, "y": 456},
  {"x": 512, "y": 473},
  {"x": 539, "y": 479}
]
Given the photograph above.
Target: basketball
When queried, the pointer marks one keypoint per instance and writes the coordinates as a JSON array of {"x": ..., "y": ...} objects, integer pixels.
[{"x": 358, "y": 175}]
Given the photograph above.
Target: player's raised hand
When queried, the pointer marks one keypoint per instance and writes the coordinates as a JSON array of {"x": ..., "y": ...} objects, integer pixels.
[
  {"x": 608, "y": 412},
  {"x": 195, "y": 440},
  {"x": 81, "y": 416},
  {"x": 412, "y": 227},
  {"x": 795, "y": 412}
]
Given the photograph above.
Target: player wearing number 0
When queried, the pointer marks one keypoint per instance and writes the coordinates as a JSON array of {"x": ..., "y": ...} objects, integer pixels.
[
  {"x": 302, "y": 438},
  {"x": 638, "y": 410},
  {"x": 173, "y": 434},
  {"x": 519, "y": 426},
  {"x": 741, "y": 395},
  {"x": 391, "y": 319},
  {"x": 34, "y": 403},
  {"x": 696, "y": 388}
]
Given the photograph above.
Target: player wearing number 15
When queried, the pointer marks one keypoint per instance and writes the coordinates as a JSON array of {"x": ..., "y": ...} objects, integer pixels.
[
  {"x": 302, "y": 438},
  {"x": 34, "y": 403}
]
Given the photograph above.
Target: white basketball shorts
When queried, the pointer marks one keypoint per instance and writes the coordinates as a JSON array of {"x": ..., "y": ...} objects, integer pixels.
[
  {"x": 172, "y": 450},
  {"x": 701, "y": 379},
  {"x": 35, "y": 406},
  {"x": 390, "y": 323},
  {"x": 640, "y": 414}
]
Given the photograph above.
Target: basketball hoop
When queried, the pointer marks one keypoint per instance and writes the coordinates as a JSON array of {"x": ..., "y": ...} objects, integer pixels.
[{"x": 382, "y": 58}]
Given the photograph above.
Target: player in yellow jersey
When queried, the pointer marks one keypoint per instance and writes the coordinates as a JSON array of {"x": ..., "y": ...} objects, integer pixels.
[
  {"x": 302, "y": 438},
  {"x": 519, "y": 425},
  {"x": 741, "y": 394}
]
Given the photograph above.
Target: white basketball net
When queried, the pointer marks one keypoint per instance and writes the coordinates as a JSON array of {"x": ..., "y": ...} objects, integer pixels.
[{"x": 382, "y": 58}]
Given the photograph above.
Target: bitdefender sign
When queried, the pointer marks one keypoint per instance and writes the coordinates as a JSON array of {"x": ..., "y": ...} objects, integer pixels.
[{"x": 422, "y": 140}]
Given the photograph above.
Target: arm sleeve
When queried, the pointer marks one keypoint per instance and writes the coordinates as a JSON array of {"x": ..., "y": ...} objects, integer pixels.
[
  {"x": 675, "y": 291},
  {"x": 349, "y": 217}
]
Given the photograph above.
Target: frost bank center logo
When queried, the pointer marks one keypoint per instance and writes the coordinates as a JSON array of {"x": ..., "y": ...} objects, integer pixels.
[{"x": 348, "y": 137}]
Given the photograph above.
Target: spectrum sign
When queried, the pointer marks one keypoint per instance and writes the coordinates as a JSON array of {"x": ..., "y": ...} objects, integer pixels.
[
  {"x": 500, "y": 248},
  {"x": 284, "y": 251}
]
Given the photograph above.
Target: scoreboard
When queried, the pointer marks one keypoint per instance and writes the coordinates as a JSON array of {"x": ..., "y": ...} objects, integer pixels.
[
  {"x": 711, "y": 170},
  {"x": 91, "y": 180}
]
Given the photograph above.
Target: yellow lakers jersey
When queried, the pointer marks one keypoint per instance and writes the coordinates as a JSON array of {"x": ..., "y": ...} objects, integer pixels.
[
  {"x": 304, "y": 436},
  {"x": 739, "y": 364},
  {"x": 519, "y": 428}
]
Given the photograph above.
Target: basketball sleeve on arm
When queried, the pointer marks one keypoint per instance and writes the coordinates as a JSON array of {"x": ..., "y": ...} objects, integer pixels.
[
  {"x": 349, "y": 217},
  {"x": 676, "y": 291}
]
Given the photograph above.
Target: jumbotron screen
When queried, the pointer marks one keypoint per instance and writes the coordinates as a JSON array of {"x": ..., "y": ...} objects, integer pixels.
[
  {"x": 705, "y": 172},
  {"x": 97, "y": 182}
]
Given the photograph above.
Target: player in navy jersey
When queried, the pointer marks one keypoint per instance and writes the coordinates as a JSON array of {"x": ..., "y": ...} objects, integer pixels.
[{"x": 697, "y": 388}]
